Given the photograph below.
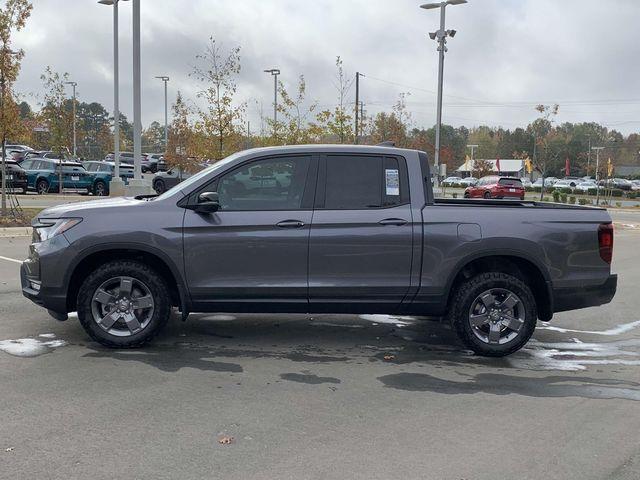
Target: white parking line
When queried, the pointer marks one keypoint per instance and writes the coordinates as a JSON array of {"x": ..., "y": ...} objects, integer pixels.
[{"x": 10, "y": 259}]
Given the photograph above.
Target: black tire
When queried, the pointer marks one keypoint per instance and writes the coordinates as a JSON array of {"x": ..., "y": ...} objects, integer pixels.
[
  {"x": 487, "y": 195},
  {"x": 159, "y": 186},
  {"x": 467, "y": 195},
  {"x": 467, "y": 293},
  {"x": 100, "y": 188},
  {"x": 42, "y": 186},
  {"x": 140, "y": 272}
]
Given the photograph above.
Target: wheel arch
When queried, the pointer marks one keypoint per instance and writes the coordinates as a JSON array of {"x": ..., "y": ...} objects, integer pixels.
[
  {"x": 94, "y": 257},
  {"x": 518, "y": 264}
]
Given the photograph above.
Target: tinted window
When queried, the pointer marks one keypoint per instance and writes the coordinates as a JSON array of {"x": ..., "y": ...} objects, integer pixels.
[
  {"x": 26, "y": 164},
  {"x": 353, "y": 182},
  {"x": 105, "y": 168},
  {"x": 270, "y": 184},
  {"x": 510, "y": 182}
]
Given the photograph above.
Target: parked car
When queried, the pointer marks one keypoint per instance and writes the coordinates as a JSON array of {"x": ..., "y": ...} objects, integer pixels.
[
  {"x": 548, "y": 182},
  {"x": 43, "y": 175},
  {"x": 155, "y": 160},
  {"x": 493, "y": 186},
  {"x": 572, "y": 181},
  {"x": 635, "y": 184},
  {"x": 163, "y": 181},
  {"x": 16, "y": 181},
  {"x": 526, "y": 182},
  {"x": 468, "y": 181},
  {"x": 584, "y": 187},
  {"x": 103, "y": 172},
  {"x": 127, "y": 157},
  {"x": 491, "y": 268},
  {"x": 570, "y": 184},
  {"x": 452, "y": 181}
]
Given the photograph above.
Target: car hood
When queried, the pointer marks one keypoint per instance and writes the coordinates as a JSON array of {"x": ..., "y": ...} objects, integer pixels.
[{"x": 79, "y": 209}]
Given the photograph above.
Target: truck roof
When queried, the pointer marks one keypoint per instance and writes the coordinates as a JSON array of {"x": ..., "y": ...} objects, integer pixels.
[{"x": 331, "y": 148}]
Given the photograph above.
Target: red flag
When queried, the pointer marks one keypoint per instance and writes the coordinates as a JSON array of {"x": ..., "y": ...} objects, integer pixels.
[
  {"x": 498, "y": 164},
  {"x": 567, "y": 167}
]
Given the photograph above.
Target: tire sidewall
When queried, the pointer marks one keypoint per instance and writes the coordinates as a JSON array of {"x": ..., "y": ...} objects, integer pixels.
[
  {"x": 470, "y": 290},
  {"x": 157, "y": 286}
]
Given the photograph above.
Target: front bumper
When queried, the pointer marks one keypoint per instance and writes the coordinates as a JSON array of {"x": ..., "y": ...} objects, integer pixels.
[{"x": 591, "y": 296}]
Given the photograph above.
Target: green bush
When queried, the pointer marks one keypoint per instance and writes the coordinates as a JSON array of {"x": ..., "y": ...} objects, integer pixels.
[
  {"x": 545, "y": 199},
  {"x": 616, "y": 192},
  {"x": 572, "y": 200},
  {"x": 537, "y": 189},
  {"x": 454, "y": 195},
  {"x": 556, "y": 196},
  {"x": 529, "y": 189},
  {"x": 563, "y": 197},
  {"x": 566, "y": 190},
  {"x": 584, "y": 201},
  {"x": 618, "y": 204},
  {"x": 592, "y": 191},
  {"x": 632, "y": 195}
]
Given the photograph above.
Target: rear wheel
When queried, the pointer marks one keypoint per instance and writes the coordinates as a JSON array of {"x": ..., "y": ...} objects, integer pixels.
[
  {"x": 159, "y": 186},
  {"x": 100, "y": 188},
  {"x": 487, "y": 195},
  {"x": 123, "y": 304},
  {"x": 494, "y": 314},
  {"x": 42, "y": 186}
]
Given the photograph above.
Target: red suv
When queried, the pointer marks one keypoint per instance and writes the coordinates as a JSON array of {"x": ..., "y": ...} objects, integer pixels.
[{"x": 496, "y": 187}]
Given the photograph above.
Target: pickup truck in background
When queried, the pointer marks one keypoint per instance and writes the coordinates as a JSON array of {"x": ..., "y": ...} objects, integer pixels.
[{"x": 331, "y": 229}]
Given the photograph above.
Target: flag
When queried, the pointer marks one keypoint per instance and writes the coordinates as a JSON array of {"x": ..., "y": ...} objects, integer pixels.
[
  {"x": 609, "y": 167},
  {"x": 528, "y": 165},
  {"x": 498, "y": 164},
  {"x": 567, "y": 167}
]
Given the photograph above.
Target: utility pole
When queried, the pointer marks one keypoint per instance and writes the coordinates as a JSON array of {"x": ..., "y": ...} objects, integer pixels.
[
  {"x": 357, "y": 105},
  {"x": 165, "y": 79},
  {"x": 274, "y": 72},
  {"x": 597, "y": 149},
  {"x": 589, "y": 155},
  {"x": 74, "y": 85},
  {"x": 441, "y": 37},
  {"x": 137, "y": 101},
  {"x": 473, "y": 149}
]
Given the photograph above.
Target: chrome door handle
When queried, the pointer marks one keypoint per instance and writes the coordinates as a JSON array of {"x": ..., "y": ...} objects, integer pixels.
[
  {"x": 290, "y": 224},
  {"x": 393, "y": 221}
]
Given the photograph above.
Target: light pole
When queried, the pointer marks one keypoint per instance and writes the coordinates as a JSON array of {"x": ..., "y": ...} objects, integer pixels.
[
  {"x": 274, "y": 72},
  {"x": 5, "y": 52},
  {"x": 116, "y": 186},
  {"x": 75, "y": 145},
  {"x": 441, "y": 37},
  {"x": 473, "y": 149},
  {"x": 357, "y": 124},
  {"x": 137, "y": 103},
  {"x": 597, "y": 149},
  {"x": 165, "y": 79}
]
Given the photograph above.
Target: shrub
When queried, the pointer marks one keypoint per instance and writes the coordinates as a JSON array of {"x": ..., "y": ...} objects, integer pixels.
[
  {"x": 545, "y": 199},
  {"x": 572, "y": 200},
  {"x": 584, "y": 201},
  {"x": 616, "y": 192},
  {"x": 537, "y": 189},
  {"x": 556, "y": 196},
  {"x": 592, "y": 191},
  {"x": 563, "y": 197},
  {"x": 566, "y": 190},
  {"x": 529, "y": 189},
  {"x": 454, "y": 195},
  {"x": 618, "y": 204}
]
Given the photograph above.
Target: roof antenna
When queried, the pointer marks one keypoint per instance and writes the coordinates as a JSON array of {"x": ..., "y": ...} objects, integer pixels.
[{"x": 386, "y": 143}]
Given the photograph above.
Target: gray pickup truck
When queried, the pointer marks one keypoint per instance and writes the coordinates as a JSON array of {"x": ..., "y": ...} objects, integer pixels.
[{"x": 322, "y": 229}]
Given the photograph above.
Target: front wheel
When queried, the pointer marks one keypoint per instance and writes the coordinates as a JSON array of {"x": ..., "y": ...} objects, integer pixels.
[
  {"x": 42, "y": 186},
  {"x": 467, "y": 195},
  {"x": 100, "y": 189},
  {"x": 487, "y": 195},
  {"x": 123, "y": 304},
  {"x": 159, "y": 187},
  {"x": 494, "y": 314}
]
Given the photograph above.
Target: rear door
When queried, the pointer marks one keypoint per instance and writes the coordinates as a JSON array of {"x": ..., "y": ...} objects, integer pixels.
[
  {"x": 255, "y": 249},
  {"x": 360, "y": 247}
]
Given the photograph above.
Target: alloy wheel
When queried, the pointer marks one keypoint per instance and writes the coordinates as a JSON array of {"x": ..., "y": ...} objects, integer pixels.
[
  {"x": 122, "y": 306},
  {"x": 496, "y": 316}
]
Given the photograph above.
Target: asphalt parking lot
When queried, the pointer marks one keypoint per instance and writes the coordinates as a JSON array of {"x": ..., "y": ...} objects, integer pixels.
[{"x": 371, "y": 397}]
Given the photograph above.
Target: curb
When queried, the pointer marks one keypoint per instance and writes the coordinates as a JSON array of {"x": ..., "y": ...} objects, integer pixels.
[{"x": 15, "y": 232}]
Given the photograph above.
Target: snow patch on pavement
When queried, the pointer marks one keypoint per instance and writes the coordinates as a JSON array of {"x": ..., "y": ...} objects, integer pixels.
[
  {"x": 398, "y": 321},
  {"x": 618, "y": 330},
  {"x": 30, "y": 347}
]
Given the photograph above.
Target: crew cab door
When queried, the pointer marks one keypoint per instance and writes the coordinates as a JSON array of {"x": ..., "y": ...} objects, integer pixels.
[
  {"x": 254, "y": 250},
  {"x": 360, "y": 248}
]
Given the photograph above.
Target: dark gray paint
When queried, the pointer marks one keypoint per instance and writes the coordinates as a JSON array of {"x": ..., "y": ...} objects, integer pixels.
[{"x": 338, "y": 261}]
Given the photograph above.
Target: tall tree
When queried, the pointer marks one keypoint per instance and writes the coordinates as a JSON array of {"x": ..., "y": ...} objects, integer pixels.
[
  {"x": 295, "y": 127},
  {"x": 337, "y": 123},
  {"x": 217, "y": 70},
  {"x": 58, "y": 118}
]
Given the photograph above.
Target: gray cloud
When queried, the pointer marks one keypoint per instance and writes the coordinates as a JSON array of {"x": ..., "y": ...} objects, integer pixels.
[{"x": 507, "y": 55}]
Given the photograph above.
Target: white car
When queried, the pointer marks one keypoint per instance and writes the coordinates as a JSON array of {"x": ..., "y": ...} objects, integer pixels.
[
  {"x": 635, "y": 184},
  {"x": 584, "y": 187},
  {"x": 468, "y": 182},
  {"x": 564, "y": 184},
  {"x": 452, "y": 181}
]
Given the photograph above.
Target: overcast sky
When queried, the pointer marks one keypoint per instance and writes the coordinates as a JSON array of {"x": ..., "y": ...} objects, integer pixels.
[{"x": 507, "y": 55}]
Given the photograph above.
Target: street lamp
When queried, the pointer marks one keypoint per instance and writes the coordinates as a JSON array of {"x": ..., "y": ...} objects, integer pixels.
[
  {"x": 166, "y": 124},
  {"x": 275, "y": 72},
  {"x": 75, "y": 145},
  {"x": 5, "y": 52},
  {"x": 441, "y": 37},
  {"x": 597, "y": 149},
  {"x": 116, "y": 185}
]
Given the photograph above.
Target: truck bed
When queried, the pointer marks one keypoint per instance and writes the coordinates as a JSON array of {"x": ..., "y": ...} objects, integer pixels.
[{"x": 477, "y": 202}]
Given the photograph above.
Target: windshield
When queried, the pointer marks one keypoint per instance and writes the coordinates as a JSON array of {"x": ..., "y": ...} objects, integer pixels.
[
  {"x": 201, "y": 174},
  {"x": 510, "y": 182}
]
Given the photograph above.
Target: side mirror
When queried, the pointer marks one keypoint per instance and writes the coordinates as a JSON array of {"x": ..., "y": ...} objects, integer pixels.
[{"x": 208, "y": 202}]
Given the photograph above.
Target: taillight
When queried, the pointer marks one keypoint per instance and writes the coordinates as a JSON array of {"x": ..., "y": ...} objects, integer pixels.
[{"x": 605, "y": 241}]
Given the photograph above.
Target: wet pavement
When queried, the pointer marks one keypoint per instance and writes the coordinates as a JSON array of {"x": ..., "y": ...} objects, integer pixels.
[{"x": 332, "y": 396}]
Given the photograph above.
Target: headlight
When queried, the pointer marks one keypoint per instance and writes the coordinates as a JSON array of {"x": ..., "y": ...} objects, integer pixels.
[{"x": 50, "y": 227}]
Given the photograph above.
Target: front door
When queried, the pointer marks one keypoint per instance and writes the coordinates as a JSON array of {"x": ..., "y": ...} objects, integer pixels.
[
  {"x": 360, "y": 248},
  {"x": 254, "y": 250}
]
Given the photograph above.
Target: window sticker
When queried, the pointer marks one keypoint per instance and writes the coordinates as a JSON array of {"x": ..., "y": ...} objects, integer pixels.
[{"x": 392, "y": 181}]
